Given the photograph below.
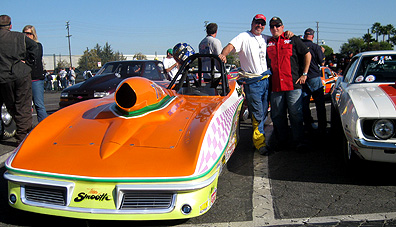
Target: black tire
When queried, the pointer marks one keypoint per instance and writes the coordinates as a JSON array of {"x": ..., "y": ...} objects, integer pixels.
[{"x": 335, "y": 121}]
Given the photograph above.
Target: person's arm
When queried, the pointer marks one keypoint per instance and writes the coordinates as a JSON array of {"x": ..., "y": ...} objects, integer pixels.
[
  {"x": 226, "y": 50},
  {"x": 170, "y": 68},
  {"x": 307, "y": 61},
  {"x": 31, "y": 50}
]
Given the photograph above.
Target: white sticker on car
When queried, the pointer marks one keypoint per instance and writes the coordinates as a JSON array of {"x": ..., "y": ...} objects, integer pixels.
[
  {"x": 359, "y": 79},
  {"x": 370, "y": 78}
]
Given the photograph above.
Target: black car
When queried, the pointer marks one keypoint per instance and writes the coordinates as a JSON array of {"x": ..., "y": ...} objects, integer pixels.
[{"x": 109, "y": 76}]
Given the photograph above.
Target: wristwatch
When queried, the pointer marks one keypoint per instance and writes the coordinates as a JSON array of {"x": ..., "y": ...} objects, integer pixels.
[{"x": 304, "y": 74}]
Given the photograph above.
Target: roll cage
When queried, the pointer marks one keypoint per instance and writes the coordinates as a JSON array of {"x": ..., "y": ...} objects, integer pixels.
[{"x": 201, "y": 75}]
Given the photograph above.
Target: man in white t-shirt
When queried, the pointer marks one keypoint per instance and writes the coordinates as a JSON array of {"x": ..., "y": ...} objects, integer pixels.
[
  {"x": 170, "y": 64},
  {"x": 252, "y": 49}
]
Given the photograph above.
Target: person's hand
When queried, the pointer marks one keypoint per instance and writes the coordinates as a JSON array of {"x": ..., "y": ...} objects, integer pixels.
[
  {"x": 223, "y": 58},
  {"x": 301, "y": 80},
  {"x": 289, "y": 34}
]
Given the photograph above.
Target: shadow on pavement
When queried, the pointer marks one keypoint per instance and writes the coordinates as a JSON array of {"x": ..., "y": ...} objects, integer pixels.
[{"x": 316, "y": 183}]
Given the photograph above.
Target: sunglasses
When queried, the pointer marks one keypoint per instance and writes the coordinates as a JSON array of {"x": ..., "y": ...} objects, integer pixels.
[
  {"x": 278, "y": 25},
  {"x": 28, "y": 33},
  {"x": 263, "y": 23}
]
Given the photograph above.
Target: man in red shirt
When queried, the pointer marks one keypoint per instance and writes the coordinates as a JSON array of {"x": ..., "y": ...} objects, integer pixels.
[{"x": 289, "y": 60}]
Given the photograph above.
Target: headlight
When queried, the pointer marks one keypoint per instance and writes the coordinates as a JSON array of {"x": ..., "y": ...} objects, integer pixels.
[
  {"x": 100, "y": 94},
  {"x": 64, "y": 95},
  {"x": 383, "y": 129}
]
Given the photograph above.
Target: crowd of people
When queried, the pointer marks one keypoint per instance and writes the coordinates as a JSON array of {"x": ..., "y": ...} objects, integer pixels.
[
  {"x": 339, "y": 63},
  {"x": 63, "y": 79}
]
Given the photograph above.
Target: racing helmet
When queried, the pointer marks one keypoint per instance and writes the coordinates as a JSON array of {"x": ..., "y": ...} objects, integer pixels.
[{"x": 182, "y": 51}]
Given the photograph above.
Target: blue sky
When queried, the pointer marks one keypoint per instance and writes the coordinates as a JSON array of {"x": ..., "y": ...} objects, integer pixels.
[{"x": 152, "y": 26}]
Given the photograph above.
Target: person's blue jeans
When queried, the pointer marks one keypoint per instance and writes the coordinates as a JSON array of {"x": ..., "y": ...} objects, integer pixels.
[
  {"x": 282, "y": 104},
  {"x": 38, "y": 99},
  {"x": 314, "y": 87},
  {"x": 257, "y": 100}
]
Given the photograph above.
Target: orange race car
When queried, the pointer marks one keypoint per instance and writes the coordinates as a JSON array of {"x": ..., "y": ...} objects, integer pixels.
[
  {"x": 329, "y": 78},
  {"x": 146, "y": 152}
]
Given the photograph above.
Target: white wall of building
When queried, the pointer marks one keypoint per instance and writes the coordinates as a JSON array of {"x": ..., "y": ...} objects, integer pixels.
[{"x": 50, "y": 61}]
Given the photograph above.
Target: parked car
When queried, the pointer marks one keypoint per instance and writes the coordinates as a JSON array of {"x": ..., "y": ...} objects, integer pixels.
[
  {"x": 143, "y": 153},
  {"x": 109, "y": 76},
  {"x": 364, "y": 107},
  {"x": 329, "y": 78}
]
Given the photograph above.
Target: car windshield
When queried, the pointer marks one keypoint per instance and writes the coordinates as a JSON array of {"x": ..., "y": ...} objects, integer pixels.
[
  {"x": 123, "y": 68},
  {"x": 379, "y": 68}
]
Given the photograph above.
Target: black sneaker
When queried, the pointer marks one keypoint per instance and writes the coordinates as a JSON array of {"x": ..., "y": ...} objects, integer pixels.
[{"x": 264, "y": 150}]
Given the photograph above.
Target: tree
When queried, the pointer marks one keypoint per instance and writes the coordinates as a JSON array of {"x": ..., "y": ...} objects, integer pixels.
[
  {"x": 233, "y": 59},
  {"x": 393, "y": 40},
  {"x": 106, "y": 54},
  {"x": 376, "y": 29},
  {"x": 90, "y": 58},
  {"x": 139, "y": 56},
  {"x": 388, "y": 30},
  {"x": 380, "y": 46},
  {"x": 368, "y": 38},
  {"x": 354, "y": 45},
  {"x": 328, "y": 51},
  {"x": 62, "y": 64}
]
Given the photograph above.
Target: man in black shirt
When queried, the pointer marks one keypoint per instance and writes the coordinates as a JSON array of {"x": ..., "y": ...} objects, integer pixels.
[{"x": 313, "y": 85}]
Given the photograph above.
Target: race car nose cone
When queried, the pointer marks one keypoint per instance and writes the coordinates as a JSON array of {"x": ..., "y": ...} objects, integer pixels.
[{"x": 137, "y": 93}]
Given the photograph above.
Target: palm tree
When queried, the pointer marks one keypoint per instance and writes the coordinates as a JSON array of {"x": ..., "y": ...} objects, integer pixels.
[
  {"x": 388, "y": 29},
  {"x": 376, "y": 29},
  {"x": 368, "y": 38}
]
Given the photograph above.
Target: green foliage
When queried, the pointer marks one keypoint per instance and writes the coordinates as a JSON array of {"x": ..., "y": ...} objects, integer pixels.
[
  {"x": 233, "y": 59},
  {"x": 62, "y": 64},
  {"x": 139, "y": 56},
  {"x": 328, "y": 51},
  {"x": 90, "y": 58},
  {"x": 354, "y": 45},
  {"x": 368, "y": 43}
]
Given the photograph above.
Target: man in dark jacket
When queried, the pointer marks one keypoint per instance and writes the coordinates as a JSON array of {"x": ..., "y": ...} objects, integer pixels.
[
  {"x": 17, "y": 52},
  {"x": 313, "y": 85}
]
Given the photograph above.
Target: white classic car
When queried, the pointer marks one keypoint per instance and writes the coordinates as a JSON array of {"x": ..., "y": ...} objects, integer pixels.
[{"x": 364, "y": 106}]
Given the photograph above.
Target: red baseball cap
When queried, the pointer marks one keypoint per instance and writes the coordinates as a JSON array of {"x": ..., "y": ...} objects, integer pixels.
[{"x": 260, "y": 17}]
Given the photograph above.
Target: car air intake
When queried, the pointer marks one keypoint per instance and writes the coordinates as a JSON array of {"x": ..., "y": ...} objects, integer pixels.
[
  {"x": 144, "y": 200},
  {"x": 55, "y": 196}
]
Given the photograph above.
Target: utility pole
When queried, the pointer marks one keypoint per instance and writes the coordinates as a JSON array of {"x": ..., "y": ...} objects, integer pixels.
[
  {"x": 317, "y": 32},
  {"x": 68, "y": 37}
]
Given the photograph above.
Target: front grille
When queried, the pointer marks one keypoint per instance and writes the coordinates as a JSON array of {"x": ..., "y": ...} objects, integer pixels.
[
  {"x": 53, "y": 195},
  {"x": 144, "y": 200}
]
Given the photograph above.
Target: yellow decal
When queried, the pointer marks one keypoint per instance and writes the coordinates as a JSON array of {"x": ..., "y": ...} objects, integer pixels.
[{"x": 203, "y": 207}]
